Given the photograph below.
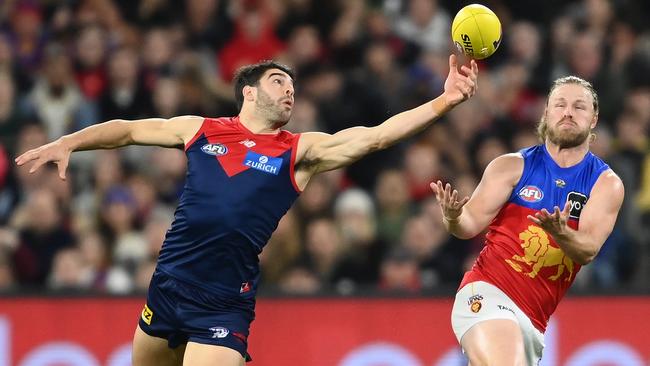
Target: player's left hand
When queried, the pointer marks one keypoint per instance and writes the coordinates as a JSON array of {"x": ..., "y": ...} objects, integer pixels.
[
  {"x": 56, "y": 152},
  {"x": 460, "y": 85},
  {"x": 553, "y": 223},
  {"x": 450, "y": 206}
]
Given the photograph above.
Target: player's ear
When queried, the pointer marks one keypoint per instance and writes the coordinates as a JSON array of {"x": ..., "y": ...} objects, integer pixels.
[
  {"x": 249, "y": 93},
  {"x": 594, "y": 121}
]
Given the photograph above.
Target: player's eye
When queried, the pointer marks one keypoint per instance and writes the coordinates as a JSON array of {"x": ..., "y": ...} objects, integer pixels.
[{"x": 581, "y": 107}]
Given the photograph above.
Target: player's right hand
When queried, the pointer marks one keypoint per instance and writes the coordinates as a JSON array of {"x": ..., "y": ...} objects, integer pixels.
[
  {"x": 55, "y": 152},
  {"x": 460, "y": 84},
  {"x": 448, "y": 200}
]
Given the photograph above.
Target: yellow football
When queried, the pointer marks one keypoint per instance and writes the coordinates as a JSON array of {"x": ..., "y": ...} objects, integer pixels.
[{"x": 476, "y": 31}]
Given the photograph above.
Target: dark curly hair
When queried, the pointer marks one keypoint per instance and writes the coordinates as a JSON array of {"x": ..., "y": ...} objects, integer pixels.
[{"x": 251, "y": 74}]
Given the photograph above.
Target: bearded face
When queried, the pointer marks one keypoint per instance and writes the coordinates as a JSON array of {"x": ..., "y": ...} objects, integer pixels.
[
  {"x": 278, "y": 111},
  {"x": 566, "y": 133},
  {"x": 569, "y": 116}
]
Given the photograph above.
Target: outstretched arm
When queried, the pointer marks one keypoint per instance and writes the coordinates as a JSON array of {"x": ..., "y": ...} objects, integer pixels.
[
  {"x": 597, "y": 220},
  {"x": 321, "y": 152},
  {"x": 467, "y": 217},
  {"x": 112, "y": 134}
]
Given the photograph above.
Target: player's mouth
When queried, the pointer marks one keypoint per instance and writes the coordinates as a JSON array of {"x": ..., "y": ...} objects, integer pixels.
[
  {"x": 288, "y": 103},
  {"x": 567, "y": 123}
]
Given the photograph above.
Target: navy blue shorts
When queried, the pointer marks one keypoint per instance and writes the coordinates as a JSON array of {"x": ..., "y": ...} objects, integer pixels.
[{"x": 180, "y": 312}]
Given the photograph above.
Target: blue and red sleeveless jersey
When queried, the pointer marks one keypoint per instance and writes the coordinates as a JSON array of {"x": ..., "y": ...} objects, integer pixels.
[
  {"x": 519, "y": 257},
  {"x": 238, "y": 187}
]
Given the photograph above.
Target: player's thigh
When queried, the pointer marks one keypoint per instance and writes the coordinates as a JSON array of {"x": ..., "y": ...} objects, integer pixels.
[
  {"x": 198, "y": 354},
  {"x": 494, "y": 342},
  {"x": 154, "y": 351}
]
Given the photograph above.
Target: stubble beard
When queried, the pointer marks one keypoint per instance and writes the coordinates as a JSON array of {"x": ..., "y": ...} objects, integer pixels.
[
  {"x": 270, "y": 110},
  {"x": 566, "y": 139}
]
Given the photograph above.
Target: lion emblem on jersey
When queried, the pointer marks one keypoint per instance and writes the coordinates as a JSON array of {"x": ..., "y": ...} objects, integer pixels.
[{"x": 538, "y": 253}]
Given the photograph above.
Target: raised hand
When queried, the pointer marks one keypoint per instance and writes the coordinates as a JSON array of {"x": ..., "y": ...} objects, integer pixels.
[
  {"x": 448, "y": 200},
  {"x": 54, "y": 152},
  {"x": 460, "y": 85},
  {"x": 555, "y": 223}
]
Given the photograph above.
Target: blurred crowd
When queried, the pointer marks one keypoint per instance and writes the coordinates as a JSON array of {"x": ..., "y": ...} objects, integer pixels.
[{"x": 68, "y": 64}]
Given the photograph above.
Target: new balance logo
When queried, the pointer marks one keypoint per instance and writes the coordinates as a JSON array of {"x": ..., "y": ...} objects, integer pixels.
[{"x": 248, "y": 143}]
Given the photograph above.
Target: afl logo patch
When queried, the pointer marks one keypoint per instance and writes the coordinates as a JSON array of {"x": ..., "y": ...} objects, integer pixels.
[
  {"x": 214, "y": 149},
  {"x": 531, "y": 194}
]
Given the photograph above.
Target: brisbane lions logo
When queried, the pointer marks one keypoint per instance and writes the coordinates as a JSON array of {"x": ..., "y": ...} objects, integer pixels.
[{"x": 538, "y": 253}]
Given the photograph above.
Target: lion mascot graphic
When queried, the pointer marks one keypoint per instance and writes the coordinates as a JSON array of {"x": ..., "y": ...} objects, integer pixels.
[{"x": 538, "y": 253}]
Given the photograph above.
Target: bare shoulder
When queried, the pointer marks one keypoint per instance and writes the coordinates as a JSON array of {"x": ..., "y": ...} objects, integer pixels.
[
  {"x": 306, "y": 142},
  {"x": 310, "y": 138},
  {"x": 610, "y": 185},
  {"x": 508, "y": 165},
  {"x": 184, "y": 126},
  {"x": 185, "y": 122},
  {"x": 510, "y": 159}
]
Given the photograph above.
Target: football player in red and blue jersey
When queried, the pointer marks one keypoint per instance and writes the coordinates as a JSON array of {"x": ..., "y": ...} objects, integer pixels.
[
  {"x": 243, "y": 174},
  {"x": 548, "y": 210}
]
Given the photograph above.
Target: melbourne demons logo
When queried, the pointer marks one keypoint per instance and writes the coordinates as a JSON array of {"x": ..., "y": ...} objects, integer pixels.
[
  {"x": 539, "y": 253},
  {"x": 219, "y": 332},
  {"x": 531, "y": 194},
  {"x": 214, "y": 149}
]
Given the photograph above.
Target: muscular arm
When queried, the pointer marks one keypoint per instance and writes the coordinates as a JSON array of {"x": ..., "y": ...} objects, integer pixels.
[
  {"x": 152, "y": 131},
  {"x": 325, "y": 152},
  {"x": 597, "y": 220},
  {"x": 499, "y": 178},
  {"x": 319, "y": 152},
  {"x": 108, "y": 135}
]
